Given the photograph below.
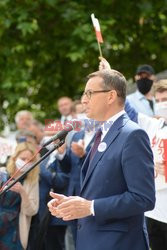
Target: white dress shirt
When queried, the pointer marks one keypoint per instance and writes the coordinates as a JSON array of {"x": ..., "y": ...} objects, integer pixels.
[
  {"x": 105, "y": 128},
  {"x": 140, "y": 103}
]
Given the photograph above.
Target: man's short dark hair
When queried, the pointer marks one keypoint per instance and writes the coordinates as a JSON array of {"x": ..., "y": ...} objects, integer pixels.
[{"x": 112, "y": 80}]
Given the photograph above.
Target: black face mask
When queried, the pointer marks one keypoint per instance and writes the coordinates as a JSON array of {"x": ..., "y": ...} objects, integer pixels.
[{"x": 144, "y": 85}]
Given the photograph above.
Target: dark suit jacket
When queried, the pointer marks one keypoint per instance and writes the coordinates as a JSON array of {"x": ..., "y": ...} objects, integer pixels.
[
  {"x": 72, "y": 163},
  {"x": 120, "y": 180}
]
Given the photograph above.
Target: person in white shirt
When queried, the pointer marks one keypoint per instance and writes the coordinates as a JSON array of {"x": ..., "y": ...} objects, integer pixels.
[
  {"x": 64, "y": 105},
  {"x": 142, "y": 99},
  {"x": 157, "y": 131}
]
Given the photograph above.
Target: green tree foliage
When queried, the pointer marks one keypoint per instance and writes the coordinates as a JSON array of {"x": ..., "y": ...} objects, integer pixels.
[{"x": 47, "y": 47}]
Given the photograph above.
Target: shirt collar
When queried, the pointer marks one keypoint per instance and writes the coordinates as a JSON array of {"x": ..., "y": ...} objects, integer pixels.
[
  {"x": 66, "y": 118},
  {"x": 107, "y": 124},
  {"x": 139, "y": 95}
]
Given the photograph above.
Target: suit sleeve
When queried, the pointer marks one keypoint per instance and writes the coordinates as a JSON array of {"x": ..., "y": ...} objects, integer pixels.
[
  {"x": 132, "y": 113},
  {"x": 60, "y": 181},
  {"x": 138, "y": 172}
]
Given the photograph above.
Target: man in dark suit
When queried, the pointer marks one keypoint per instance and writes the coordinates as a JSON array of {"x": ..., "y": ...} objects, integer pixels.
[{"x": 117, "y": 176}]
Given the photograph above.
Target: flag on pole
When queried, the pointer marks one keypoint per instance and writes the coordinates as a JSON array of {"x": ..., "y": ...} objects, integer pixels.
[{"x": 97, "y": 28}]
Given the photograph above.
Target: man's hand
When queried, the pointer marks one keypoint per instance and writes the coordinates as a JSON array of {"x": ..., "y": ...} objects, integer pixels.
[
  {"x": 103, "y": 64},
  {"x": 18, "y": 188},
  {"x": 78, "y": 149},
  {"x": 160, "y": 168},
  {"x": 69, "y": 208},
  {"x": 62, "y": 149},
  {"x": 53, "y": 204}
]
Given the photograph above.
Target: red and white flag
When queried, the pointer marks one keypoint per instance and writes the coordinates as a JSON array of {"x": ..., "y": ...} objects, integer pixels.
[{"x": 97, "y": 28}]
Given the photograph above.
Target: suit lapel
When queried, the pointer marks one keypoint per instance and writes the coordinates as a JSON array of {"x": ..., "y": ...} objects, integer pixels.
[{"x": 108, "y": 139}]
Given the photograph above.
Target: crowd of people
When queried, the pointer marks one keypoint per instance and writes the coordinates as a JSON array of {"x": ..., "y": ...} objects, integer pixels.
[{"x": 28, "y": 219}]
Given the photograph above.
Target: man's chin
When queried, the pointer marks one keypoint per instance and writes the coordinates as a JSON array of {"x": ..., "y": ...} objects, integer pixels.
[{"x": 89, "y": 115}]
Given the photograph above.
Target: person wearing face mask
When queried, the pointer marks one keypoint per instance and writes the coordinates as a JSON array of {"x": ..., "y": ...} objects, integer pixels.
[
  {"x": 142, "y": 99},
  {"x": 20, "y": 203},
  {"x": 157, "y": 131}
]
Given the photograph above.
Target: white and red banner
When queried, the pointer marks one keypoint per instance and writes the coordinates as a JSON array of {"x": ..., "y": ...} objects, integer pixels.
[{"x": 165, "y": 157}]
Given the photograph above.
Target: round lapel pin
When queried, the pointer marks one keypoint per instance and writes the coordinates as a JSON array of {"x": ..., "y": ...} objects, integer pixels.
[{"x": 102, "y": 147}]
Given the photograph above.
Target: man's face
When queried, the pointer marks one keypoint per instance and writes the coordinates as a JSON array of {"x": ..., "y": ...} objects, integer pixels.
[
  {"x": 64, "y": 106},
  {"x": 36, "y": 131},
  {"x": 95, "y": 104},
  {"x": 79, "y": 108},
  {"x": 144, "y": 82},
  {"x": 23, "y": 120}
]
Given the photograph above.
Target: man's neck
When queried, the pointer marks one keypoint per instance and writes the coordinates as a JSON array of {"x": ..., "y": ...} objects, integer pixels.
[
  {"x": 149, "y": 95},
  {"x": 111, "y": 114}
]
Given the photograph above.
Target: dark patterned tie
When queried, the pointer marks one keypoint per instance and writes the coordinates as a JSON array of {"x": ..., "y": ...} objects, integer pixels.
[
  {"x": 65, "y": 120},
  {"x": 96, "y": 143}
]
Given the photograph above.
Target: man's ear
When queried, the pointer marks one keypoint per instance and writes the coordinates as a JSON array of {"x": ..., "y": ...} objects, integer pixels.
[
  {"x": 153, "y": 77},
  {"x": 137, "y": 77},
  {"x": 112, "y": 95}
]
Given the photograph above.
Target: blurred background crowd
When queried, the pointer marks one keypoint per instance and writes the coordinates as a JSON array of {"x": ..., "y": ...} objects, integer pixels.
[{"x": 47, "y": 47}]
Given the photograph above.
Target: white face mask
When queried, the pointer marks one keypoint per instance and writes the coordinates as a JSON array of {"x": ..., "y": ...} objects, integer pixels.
[
  {"x": 161, "y": 109},
  {"x": 20, "y": 163}
]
